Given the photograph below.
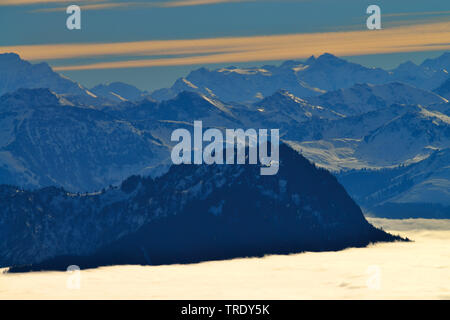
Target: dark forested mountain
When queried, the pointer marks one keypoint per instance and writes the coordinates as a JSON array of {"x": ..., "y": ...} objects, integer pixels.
[{"x": 192, "y": 213}]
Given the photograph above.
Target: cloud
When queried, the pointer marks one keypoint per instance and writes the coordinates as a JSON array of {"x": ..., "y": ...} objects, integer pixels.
[
  {"x": 411, "y": 38},
  {"x": 186, "y": 3},
  {"x": 137, "y": 4},
  {"x": 412, "y": 270},
  {"x": 420, "y": 13},
  {"x": 93, "y": 6},
  {"x": 33, "y": 2}
]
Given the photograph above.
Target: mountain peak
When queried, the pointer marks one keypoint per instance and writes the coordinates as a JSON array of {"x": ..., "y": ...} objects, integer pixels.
[
  {"x": 328, "y": 57},
  {"x": 10, "y": 59},
  {"x": 17, "y": 73},
  {"x": 9, "y": 56},
  {"x": 118, "y": 91},
  {"x": 310, "y": 60},
  {"x": 441, "y": 62},
  {"x": 406, "y": 65}
]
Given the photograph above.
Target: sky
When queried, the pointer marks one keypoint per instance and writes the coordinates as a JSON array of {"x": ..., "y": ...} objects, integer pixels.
[{"x": 152, "y": 43}]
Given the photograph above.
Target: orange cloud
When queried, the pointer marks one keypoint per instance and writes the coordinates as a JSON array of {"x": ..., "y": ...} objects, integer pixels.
[
  {"x": 31, "y": 2},
  {"x": 186, "y": 3},
  {"x": 412, "y": 38},
  {"x": 143, "y": 4}
]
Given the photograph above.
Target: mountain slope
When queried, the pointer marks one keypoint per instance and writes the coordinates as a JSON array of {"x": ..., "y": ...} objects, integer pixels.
[
  {"x": 192, "y": 213},
  {"x": 444, "y": 89},
  {"x": 238, "y": 84},
  {"x": 362, "y": 98},
  {"x": 419, "y": 131},
  {"x": 17, "y": 73},
  {"x": 285, "y": 103},
  {"x": 439, "y": 63},
  {"x": 418, "y": 190},
  {"x": 329, "y": 73},
  {"x": 45, "y": 142},
  {"x": 118, "y": 92},
  {"x": 422, "y": 76}
]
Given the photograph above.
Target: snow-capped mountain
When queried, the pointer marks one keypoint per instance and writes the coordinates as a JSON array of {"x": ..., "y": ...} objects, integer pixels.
[
  {"x": 46, "y": 141},
  {"x": 421, "y": 76},
  {"x": 353, "y": 128},
  {"x": 284, "y": 103},
  {"x": 329, "y": 73},
  {"x": 118, "y": 92},
  {"x": 189, "y": 106},
  {"x": 362, "y": 98},
  {"x": 412, "y": 135},
  {"x": 302, "y": 79},
  {"x": 238, "y": 84},
  {"x": 389, "y": 137},
  {"x": 192, "y": 213},
  {"x": 17, "y": 73}
]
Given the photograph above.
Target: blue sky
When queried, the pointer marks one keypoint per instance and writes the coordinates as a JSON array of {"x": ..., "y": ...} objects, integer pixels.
[{"x": 35, "y": 22}]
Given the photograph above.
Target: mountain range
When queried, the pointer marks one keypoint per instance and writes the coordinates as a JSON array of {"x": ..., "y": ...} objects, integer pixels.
[
  {"x": 385, "y": 134},
  {"x": 359, "y": 125},
  {"x": 310, "y": 78}
]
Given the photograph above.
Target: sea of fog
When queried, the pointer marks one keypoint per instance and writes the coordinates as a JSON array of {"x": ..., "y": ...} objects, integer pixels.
[{"x": 415, "y": 270}]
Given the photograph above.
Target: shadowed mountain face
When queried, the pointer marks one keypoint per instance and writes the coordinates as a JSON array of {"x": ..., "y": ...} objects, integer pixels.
[{"x": 192, "y": 213}]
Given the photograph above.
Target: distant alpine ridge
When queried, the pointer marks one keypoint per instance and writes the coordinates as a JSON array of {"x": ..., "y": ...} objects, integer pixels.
[
  {"x": 312, "y": 77},
  {"x": 191, "y": 213}
]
